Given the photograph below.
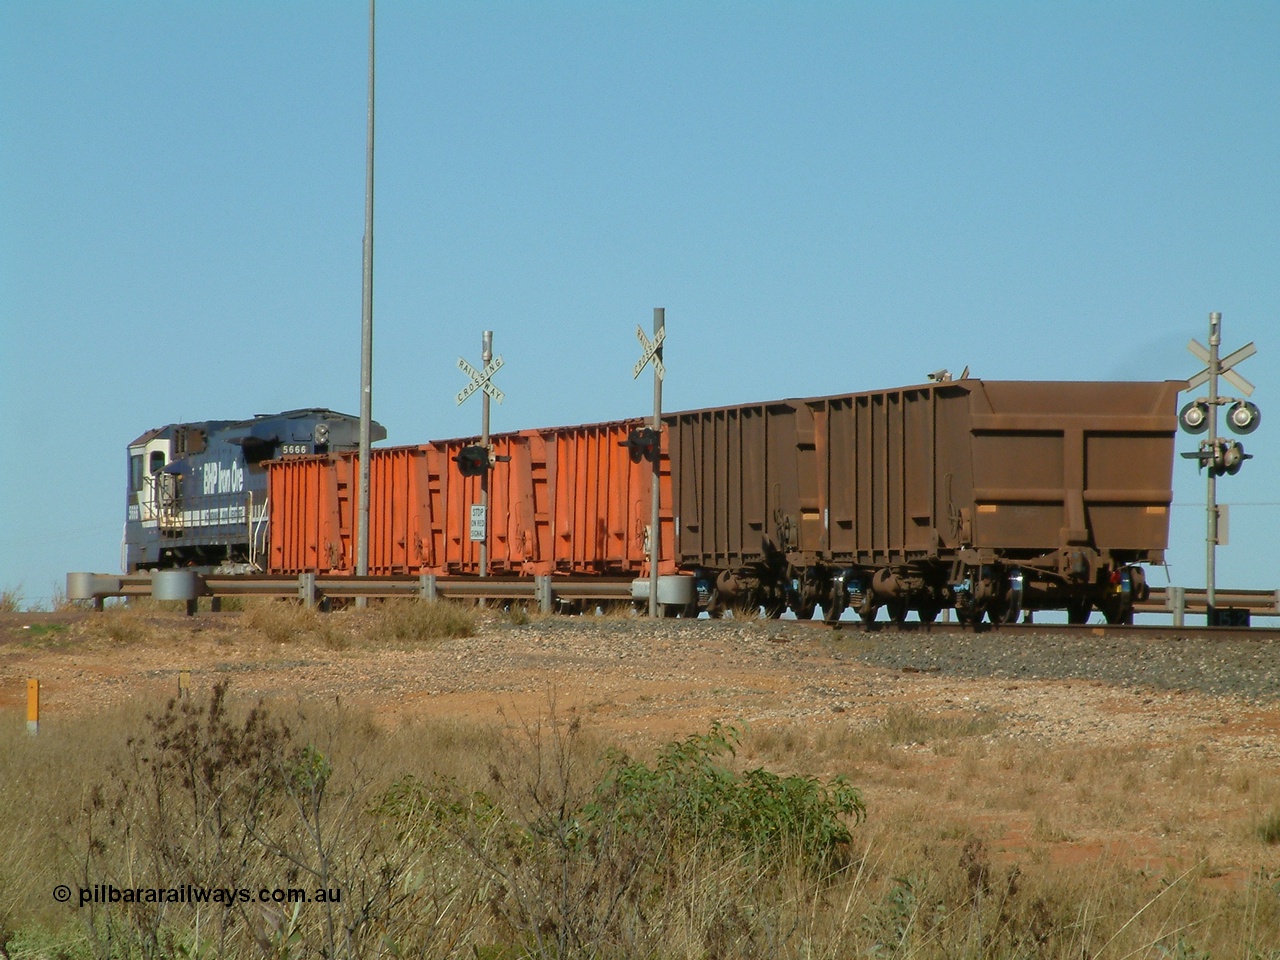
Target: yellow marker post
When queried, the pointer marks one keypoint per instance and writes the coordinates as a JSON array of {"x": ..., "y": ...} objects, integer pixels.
[
  {"x": 184, "y": 684},
  {"x": 33, "y": 706}
]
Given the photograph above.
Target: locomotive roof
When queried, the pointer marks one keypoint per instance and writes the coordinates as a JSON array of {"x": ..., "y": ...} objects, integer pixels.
[{"x": 214, "y": 426}]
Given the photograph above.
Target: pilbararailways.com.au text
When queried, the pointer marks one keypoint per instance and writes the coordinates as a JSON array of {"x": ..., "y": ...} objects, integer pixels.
[{"x": 105, "y": 893}]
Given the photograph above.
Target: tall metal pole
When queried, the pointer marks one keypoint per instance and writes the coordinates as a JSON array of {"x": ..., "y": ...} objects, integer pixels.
[
  {"x": 486, "y": 354},
  {"x": 659, "y": 324},
  {"x": 366, "y": 336},
  {"x": 1211, "y": 537}
]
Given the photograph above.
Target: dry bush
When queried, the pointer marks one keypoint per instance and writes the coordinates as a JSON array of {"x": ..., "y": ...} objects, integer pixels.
[
  {"x": 11, "y": 600},
  {"x": 1269, "y": 829},
  {"x": 120, "y": 623},
  {"x": 856, "y": 744},
  {"x": 213, "y": 794},
  {"x": 415, "y": 622},
  {"x": 457, "y": 840},
  {"x": 285, "y": 621}
]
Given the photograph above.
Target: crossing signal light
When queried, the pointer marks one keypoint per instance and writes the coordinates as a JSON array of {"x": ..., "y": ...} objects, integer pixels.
[
  {"x": 1226, "y": 457},
  {"x": 1229, "y": 458},
  {"x": 1195, "y": 417},
  {"x": 472, "y": 461},
  {"x": 1243, "y": 417},
  {"x": 642, "y": 444}
]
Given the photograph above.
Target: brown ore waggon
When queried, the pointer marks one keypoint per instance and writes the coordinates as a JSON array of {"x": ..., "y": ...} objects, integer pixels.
[{"x": 989, "y": 497}]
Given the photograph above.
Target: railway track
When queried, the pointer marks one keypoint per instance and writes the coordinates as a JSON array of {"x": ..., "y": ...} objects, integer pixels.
[
  {"x": 547, "y": 594},
  {"x": 1148, "y": 631}
]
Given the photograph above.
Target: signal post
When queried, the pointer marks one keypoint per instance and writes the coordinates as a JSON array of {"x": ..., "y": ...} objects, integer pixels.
[
  {"x": 1220, "y": 455},
  {"x": 474, "y": 461},
  {"x": 652, "y": 352}
]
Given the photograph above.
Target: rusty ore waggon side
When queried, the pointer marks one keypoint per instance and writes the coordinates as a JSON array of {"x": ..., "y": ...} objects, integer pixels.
[{"x": 992, "y": 497}]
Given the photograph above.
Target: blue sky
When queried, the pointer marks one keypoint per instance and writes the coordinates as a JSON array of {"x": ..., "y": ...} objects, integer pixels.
[{"x": 825, "y": 197}]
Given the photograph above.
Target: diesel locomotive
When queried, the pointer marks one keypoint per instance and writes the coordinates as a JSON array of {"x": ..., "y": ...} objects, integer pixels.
[{"x": 197, "y": 492}]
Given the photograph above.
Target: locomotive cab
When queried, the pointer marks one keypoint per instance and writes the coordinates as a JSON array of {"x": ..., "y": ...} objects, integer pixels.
[{"x": 149, "y": 486}]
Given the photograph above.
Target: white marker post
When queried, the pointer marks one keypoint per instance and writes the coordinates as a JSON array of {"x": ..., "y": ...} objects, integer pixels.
[
  {"x": 652, "y": 351},
  {"x": 33, "y": 706}
]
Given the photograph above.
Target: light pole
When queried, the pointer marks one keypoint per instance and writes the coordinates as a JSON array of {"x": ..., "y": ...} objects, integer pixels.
[{"x": 366, "y": 339}]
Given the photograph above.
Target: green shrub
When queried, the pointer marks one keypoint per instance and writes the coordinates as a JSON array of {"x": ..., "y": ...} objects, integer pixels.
[
  {"x": 607, "y": 859},
  {"x": 691, "y": 794}
]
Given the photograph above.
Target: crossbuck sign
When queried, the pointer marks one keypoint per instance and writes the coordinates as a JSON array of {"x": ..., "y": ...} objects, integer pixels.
[
  {"x": 481, "y": 380},
  {"x": 1224, "y": 367},
  {"x": 650, "y": 353}
]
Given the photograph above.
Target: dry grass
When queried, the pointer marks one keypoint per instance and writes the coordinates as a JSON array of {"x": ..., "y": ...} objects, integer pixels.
[
  {"x": 399, "y": 623},
  {"x": 938, "y": 871},
  {"x": 11, "y": 600}
]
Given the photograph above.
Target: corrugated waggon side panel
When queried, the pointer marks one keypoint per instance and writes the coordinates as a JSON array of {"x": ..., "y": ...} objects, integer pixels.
[
  {"x": 314, "y": 513},
  {"x": 598, "y": 508},
  {"x": 860, "y": 478},
  {"x": 517, "y": 482},
  {"x": 735, "y": 479},
  {"x": 890, "y": 477},
  {"x": 307, "y": 505},
  {"x": 887, "y": 465}
]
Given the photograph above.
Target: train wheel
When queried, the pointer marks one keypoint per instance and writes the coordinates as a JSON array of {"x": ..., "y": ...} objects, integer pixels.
[
  {"x": 867, "y": 612},
  {"x": 897, "y": 611},
  {"x": 928, "y": 613},
  {"x": 1078, "y": 612},
  {"x": 806, "y": 611},
  {"x": 1118, "y": 613},
  {"x": 715, "y": 609},
  {"x": 968, "y": 612}
]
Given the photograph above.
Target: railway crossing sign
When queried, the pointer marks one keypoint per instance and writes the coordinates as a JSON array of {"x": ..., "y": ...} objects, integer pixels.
[
  {"x": 480, "y": 380},
  {"x": 1202, "y": 354},
  {"x": 650, "y": 348}
]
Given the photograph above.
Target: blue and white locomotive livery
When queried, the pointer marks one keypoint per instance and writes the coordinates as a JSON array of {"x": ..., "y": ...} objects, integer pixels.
[{"x": 198, "y": 491}]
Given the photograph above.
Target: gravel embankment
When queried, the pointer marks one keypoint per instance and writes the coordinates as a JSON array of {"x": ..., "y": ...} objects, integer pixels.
[
  {"x": 1244, "y": 668},
  {"x": 1233, "y": 667}
]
